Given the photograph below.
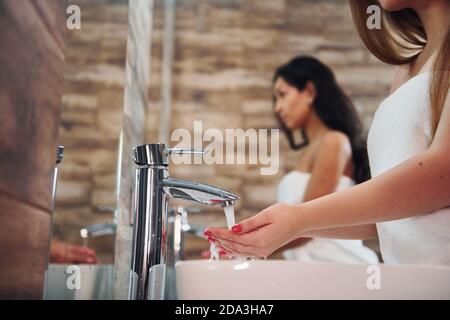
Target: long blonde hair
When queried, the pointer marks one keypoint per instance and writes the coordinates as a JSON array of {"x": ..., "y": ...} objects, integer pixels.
[{"x": 399, "y": 41}]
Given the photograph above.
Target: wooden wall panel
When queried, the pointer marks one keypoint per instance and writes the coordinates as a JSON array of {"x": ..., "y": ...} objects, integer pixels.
[{"x": 31, "y": 73}]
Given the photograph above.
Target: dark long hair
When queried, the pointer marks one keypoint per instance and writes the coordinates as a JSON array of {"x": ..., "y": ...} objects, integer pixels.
[{"x": 331, "y": 105}]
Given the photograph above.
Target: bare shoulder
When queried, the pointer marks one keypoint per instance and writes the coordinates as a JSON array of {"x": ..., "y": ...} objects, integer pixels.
[
  {"x": 335, "y": 137},
  {"x": 336, "y": 142},
  {"x": 333, "y": 154}
]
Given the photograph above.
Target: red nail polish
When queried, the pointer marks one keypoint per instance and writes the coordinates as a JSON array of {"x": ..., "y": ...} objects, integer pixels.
[
  {"x": 207, "y": 233},
  {"x": 211, "y": 239},
  {"x": 222, "y": 252},
  {"x": 236, "y": 228}
]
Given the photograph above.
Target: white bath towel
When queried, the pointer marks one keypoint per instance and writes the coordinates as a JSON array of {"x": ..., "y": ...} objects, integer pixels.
[{"x": 401, "y": 129}]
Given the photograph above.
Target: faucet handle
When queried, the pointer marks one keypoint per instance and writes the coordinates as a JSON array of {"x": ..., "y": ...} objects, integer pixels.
[
  {"x": 186, "y": 151},
  {"x": 96, "y": 230},
  {"x": 157, "y": 154}
]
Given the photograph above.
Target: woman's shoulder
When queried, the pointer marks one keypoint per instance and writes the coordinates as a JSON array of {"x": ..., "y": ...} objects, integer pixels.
[
  {"x": 335, "y": 137},
  {"x": 335, "y": 142},
  {"x": 332, "y": 146},
  {"x": 334, "y": 153}
]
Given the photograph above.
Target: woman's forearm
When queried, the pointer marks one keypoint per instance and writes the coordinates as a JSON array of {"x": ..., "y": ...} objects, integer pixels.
[
  {"x": 417, "y": 186},
  {"x": 293, "y": 244},
  {"x": 360, "y": 232}
]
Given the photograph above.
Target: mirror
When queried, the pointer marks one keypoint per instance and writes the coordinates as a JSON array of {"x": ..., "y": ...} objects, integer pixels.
[
  {"x": 91, "y": 125},
  {"x": 103, "y": 117}
]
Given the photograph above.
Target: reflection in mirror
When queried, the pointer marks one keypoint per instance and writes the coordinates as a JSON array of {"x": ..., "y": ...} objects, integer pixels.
[
  {"x": 91, "y": 123},
  {"x": 103, "y": 115}
]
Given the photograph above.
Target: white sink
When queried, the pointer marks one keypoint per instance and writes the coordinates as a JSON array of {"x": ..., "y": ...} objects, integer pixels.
[{"x": 278, "y": 279}]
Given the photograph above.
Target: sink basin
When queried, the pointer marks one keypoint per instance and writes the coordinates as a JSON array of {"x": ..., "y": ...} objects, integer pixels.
[
  {"x": 278, "y": 279},
  {"x": 95, "y": 282}
]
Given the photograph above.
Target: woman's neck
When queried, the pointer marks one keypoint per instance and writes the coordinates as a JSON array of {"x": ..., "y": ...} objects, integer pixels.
[
  {"x": 315, "y": 128},
  {"x": 434, "y": 17}
]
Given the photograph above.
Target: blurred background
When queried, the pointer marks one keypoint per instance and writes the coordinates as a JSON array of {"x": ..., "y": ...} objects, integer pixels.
[{"x": 216, "y": 59}]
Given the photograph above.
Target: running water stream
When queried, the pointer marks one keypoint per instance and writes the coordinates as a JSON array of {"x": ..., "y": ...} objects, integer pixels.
[{"x": 229, "y": 214}]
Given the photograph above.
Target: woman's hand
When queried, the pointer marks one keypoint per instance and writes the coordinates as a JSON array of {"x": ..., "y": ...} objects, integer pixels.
[
  {"x": 260, "y": 235},
  {"x": 61, "y": 252}
]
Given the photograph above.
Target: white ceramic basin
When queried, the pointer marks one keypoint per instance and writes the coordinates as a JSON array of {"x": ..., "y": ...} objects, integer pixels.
[{"x": 277, "y": 279}]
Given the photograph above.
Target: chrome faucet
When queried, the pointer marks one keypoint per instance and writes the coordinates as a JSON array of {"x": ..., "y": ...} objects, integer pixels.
[
  {"x": 153, "y": 189},
  {"x": 59, "y": 159}
]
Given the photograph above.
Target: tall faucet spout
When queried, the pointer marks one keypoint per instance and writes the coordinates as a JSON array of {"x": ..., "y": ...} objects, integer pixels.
[
  {"x": 153, "y": 189},
  {"x": 198, "y": 192}
]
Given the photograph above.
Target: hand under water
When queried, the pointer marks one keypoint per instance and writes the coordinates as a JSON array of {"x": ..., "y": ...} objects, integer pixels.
[{"x": 260, "y": 235}]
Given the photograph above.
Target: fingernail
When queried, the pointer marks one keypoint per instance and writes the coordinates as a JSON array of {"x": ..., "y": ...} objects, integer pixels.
[
  {"x": 211, "y": 239},
  {"x": 222, "y": 252},
  {"x": 207, "y": 233},
  {"x": 236, "y": 228}
]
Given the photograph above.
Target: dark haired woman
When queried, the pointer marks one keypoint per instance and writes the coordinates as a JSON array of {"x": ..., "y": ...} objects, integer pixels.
[{"x": 308, "y": 100}]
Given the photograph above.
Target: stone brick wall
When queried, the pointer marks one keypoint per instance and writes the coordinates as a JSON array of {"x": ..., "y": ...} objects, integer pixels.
[{"x": 225, "y": 54}]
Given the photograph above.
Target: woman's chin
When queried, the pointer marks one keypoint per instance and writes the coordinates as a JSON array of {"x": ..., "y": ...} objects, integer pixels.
[
  {"x": 292, "y": 126},
  {"x": 289, "y": 126},
  {"x": 391, "y": 5}
]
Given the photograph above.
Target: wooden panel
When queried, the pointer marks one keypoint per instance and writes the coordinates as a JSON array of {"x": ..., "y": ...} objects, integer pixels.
[
  {"x": 31, "y": 65},
  {"x": 31, "y": 70},
  {"x": 24, "y": 244}
]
